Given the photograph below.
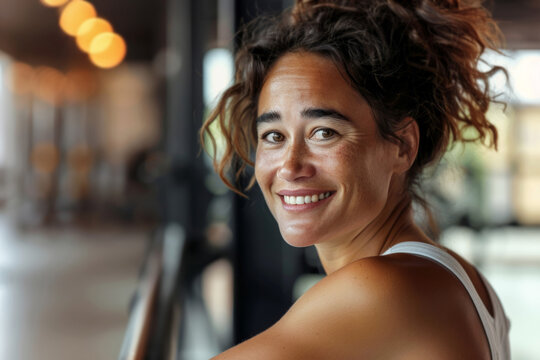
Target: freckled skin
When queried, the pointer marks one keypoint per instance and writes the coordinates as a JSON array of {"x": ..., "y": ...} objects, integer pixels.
[{"x": 357, "y": 164}]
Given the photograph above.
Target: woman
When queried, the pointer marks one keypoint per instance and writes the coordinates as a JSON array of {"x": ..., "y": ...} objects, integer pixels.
[{"x": 345, "y": 103}]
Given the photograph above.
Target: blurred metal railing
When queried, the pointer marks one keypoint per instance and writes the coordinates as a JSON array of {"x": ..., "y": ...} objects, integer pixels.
[
  {"x": 167, "y": 300},
  {"x": 139, "y": 324},
  {"x": 152, "y": 331}
]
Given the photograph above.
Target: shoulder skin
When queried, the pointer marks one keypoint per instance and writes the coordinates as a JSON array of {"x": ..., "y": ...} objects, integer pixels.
[{"x": 393, "y": 307}]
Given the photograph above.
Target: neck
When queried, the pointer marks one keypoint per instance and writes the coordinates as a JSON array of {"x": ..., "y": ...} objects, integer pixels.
[{"x": 393, "y": 225}]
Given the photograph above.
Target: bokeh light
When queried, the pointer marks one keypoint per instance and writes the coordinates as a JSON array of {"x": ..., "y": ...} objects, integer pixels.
[
  {"x": 75, "y": 14},
  {"x": 89, "y": 30},
  {"x": 50, "y": 84},
  {"x": 81, "y": 84},
  {"x": 107, "y": 50},
  {"x": 54, "y": 3},
  {"x": 20, "y": 78}
]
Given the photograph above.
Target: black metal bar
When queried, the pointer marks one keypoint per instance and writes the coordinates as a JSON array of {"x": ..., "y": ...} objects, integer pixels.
[
  {"x": 186, "y": 198},
  {"x": 137, "y": 332},
  {"x": 265, "y": 267}
]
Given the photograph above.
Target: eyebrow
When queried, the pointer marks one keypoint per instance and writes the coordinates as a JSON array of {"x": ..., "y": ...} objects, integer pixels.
[
  {"x": 268, "y": 117},
  {"x": 310, "y": 113},
  {"x": 315, "y": 113}
]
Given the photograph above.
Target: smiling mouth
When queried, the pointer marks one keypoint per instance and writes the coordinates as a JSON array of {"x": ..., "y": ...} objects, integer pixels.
[{"x": 307, "y": 199}]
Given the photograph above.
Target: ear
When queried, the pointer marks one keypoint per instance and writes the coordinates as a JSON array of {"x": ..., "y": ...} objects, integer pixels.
[{"x": 408, "y": 146}]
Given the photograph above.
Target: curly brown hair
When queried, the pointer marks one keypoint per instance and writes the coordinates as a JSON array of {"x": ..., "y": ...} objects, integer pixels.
[{"x": 407, "y": 58}]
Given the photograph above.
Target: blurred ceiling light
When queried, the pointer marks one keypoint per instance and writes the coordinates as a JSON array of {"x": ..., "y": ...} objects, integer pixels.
[
  {"x": 54, "y": 3},
  {"x": 74, "y": 14},
  {"x": 50, "y": 84},
  {"x": 20, "y": 78},
  {"x": 89, "y": 30},
  {"x": 107, "y": 50},
  {"x": 81, "y": 84}
]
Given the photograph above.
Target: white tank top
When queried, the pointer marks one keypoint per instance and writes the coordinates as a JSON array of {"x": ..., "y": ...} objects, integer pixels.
[{"x": 497, "y": 326}]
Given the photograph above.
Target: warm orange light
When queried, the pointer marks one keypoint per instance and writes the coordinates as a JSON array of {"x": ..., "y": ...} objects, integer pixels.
[
  {"x": 20, "y": 79},
  {"x": 53, "y": 3},
  {"x": 74, "y": 14},
  {"x": 50, "y": 85},
  {"x": 81, "y": 84},
  {"x": 89, "y": 30},
  {"x": 107, "y": 50}
]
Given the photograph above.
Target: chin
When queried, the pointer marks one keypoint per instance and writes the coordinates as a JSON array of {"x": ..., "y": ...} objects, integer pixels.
[{"x": 298, "y": 239}]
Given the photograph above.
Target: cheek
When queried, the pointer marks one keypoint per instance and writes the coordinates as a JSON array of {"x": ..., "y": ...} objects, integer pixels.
[
  {"x": 363, "y": 168},
  {"x": 263, "y": 168},
  {"x": 344, "y": 161},
  {"x": 259, "y": 166},
  {"x": 259, "y": 172}
]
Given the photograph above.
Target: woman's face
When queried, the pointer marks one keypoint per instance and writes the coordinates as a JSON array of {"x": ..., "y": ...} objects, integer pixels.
[{"x": 321, "y": 164}]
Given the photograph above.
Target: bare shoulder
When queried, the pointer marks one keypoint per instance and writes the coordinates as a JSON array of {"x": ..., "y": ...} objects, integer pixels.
[
  {"x": 392, "y": 307},
  {"x": 395, "y": 306}
]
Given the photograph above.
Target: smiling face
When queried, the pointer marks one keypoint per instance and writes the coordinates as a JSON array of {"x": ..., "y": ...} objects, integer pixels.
[{"x": 323, "y": 168}]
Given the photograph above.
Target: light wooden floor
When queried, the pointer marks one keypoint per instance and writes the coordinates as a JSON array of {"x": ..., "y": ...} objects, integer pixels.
[{"x": 64, "y": 294}]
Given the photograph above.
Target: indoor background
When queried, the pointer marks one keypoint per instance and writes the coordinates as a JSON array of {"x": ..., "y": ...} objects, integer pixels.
[{"x": 118, "y": 241}]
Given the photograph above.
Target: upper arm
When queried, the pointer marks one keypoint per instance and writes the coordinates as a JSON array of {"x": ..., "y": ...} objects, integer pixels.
[
  {"x": 346, "y": 315},
  {"x": 371, "y": 309}
]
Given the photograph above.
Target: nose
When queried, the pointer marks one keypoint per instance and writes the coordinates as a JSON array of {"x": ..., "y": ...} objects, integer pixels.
[{"x": 296, "y": 163}]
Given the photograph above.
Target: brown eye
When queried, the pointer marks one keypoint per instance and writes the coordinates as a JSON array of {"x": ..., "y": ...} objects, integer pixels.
[
  {"x": 324, "y": 134},
  {"x": 273, "y": 137}
]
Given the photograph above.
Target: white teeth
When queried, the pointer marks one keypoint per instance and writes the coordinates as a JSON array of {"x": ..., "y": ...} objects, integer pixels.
[{"x": 307, "y": 199}]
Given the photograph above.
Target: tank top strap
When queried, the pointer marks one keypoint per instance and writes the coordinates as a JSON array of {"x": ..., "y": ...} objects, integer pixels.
[{"x": 449, "y": 262}]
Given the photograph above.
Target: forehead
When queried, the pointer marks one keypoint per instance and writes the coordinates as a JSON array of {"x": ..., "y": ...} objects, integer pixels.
[{"x": 308, "y": 79}]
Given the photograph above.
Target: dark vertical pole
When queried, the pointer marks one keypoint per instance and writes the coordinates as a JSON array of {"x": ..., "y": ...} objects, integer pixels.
[
  {"x": 179, "y": 101},
  {"x": 178, "y": 148},
  {"x": 187, "y": 39},
  {"x": 265, "y": 266},
  {"x": 185, "y": 197}
]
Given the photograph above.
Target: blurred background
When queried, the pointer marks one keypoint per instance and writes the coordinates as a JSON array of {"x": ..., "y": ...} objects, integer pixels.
[{"x": 117, "y": 240}]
